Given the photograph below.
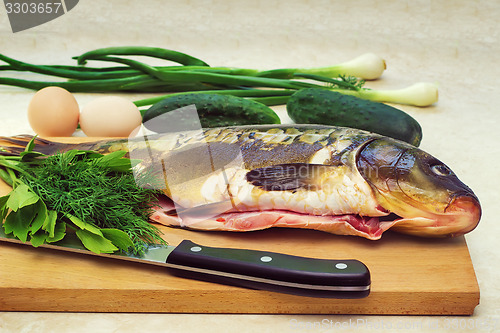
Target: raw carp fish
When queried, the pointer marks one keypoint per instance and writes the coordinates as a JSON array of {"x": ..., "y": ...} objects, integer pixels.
[{"x": 334, "y": 179}]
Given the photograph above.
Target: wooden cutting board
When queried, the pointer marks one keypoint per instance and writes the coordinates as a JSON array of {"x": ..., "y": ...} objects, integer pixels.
[{"x": 409, "y": 276}]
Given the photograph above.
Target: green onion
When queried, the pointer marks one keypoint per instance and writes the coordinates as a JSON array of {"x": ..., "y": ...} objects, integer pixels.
[
  {"x": 155, "y": 52},
  {"x": 194, "y": 75},
  {"x": 368, "y": 67},
  {"x": 253, "y": 93},
  {"x": 418, "y": 94}
]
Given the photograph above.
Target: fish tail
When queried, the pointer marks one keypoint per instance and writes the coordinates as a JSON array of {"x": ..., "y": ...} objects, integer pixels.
[{"x": 15, "y": 145}]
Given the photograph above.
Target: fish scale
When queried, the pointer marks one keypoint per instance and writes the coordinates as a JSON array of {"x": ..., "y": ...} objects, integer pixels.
[
  {"x": 257, "y": 150},
  {"x": 334, "y": 179}
]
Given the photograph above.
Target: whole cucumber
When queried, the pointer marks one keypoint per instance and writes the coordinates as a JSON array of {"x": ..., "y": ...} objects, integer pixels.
[
  {"x": 322, "y": 106},
  {"x": 213, "y": 110}
]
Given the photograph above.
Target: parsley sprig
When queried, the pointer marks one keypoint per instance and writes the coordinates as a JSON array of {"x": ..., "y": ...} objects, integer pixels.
[{"x": 92, "y": 195}]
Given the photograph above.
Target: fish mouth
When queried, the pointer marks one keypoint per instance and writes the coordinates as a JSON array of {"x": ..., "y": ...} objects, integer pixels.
[
  {"x": 467, "y": 212},
  {"x": 461, "y": 215}
]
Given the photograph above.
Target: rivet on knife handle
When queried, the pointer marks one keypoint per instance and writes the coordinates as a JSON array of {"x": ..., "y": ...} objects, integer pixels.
[{"x": 271, "y": 271}]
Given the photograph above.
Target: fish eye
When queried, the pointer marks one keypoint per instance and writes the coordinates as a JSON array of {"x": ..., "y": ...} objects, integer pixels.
[{"x": 441, "y": 170}]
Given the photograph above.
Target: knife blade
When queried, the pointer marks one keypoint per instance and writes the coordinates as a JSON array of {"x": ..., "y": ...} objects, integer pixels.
[{"x": 262, "y": 270}]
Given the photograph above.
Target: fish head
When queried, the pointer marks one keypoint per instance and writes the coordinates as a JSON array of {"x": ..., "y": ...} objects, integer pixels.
[{"x": 425, "y": 194}]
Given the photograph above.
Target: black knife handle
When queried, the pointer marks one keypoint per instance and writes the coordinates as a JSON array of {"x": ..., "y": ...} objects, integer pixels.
[{"x": 271, "y": 271}]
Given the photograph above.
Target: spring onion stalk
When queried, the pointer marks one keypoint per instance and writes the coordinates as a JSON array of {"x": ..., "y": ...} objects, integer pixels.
[
  {"x": 70, "y": 72},
  {"x": 157, "y": 70},
  {"x": 253, "y": 93},
  {"x": 272, "y": 87},
  {"x": 419, "y": 94},
  {"x": 368, "y": 66},
  {"x": 139, "y": 82},
  {"x": 155, "y": 52}
]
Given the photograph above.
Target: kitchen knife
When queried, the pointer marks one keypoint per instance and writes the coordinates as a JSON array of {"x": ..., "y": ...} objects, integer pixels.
[{"x": 246, "y": 268}]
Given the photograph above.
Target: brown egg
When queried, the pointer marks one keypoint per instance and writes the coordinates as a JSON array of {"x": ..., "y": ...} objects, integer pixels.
[
  {"x": 53, "y": 111},
  {"x": 110, "y": 116}
]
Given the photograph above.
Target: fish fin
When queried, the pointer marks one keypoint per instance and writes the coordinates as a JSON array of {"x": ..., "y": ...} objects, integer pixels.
[
  {"x": 23, "y": 140},
  {"x": 286, "y": 177},
  {"x": 15, "y": 145}
]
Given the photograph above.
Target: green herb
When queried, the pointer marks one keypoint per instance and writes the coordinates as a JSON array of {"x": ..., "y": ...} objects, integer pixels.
[
  {"x": 191, "y": 74},
  {"x": 93, "y": 195}
]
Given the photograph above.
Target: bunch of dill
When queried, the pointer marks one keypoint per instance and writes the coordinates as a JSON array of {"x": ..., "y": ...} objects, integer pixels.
[{"x": 97, "y": 189}]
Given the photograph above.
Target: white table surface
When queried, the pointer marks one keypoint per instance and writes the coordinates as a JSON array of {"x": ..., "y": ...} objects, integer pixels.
[{"x": 455, "y": 44}]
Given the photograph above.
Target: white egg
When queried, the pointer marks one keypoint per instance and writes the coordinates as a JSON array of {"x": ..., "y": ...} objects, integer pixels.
[
  {"x": 110, "y": 116},
  {"x": 53, "y": 111}
]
